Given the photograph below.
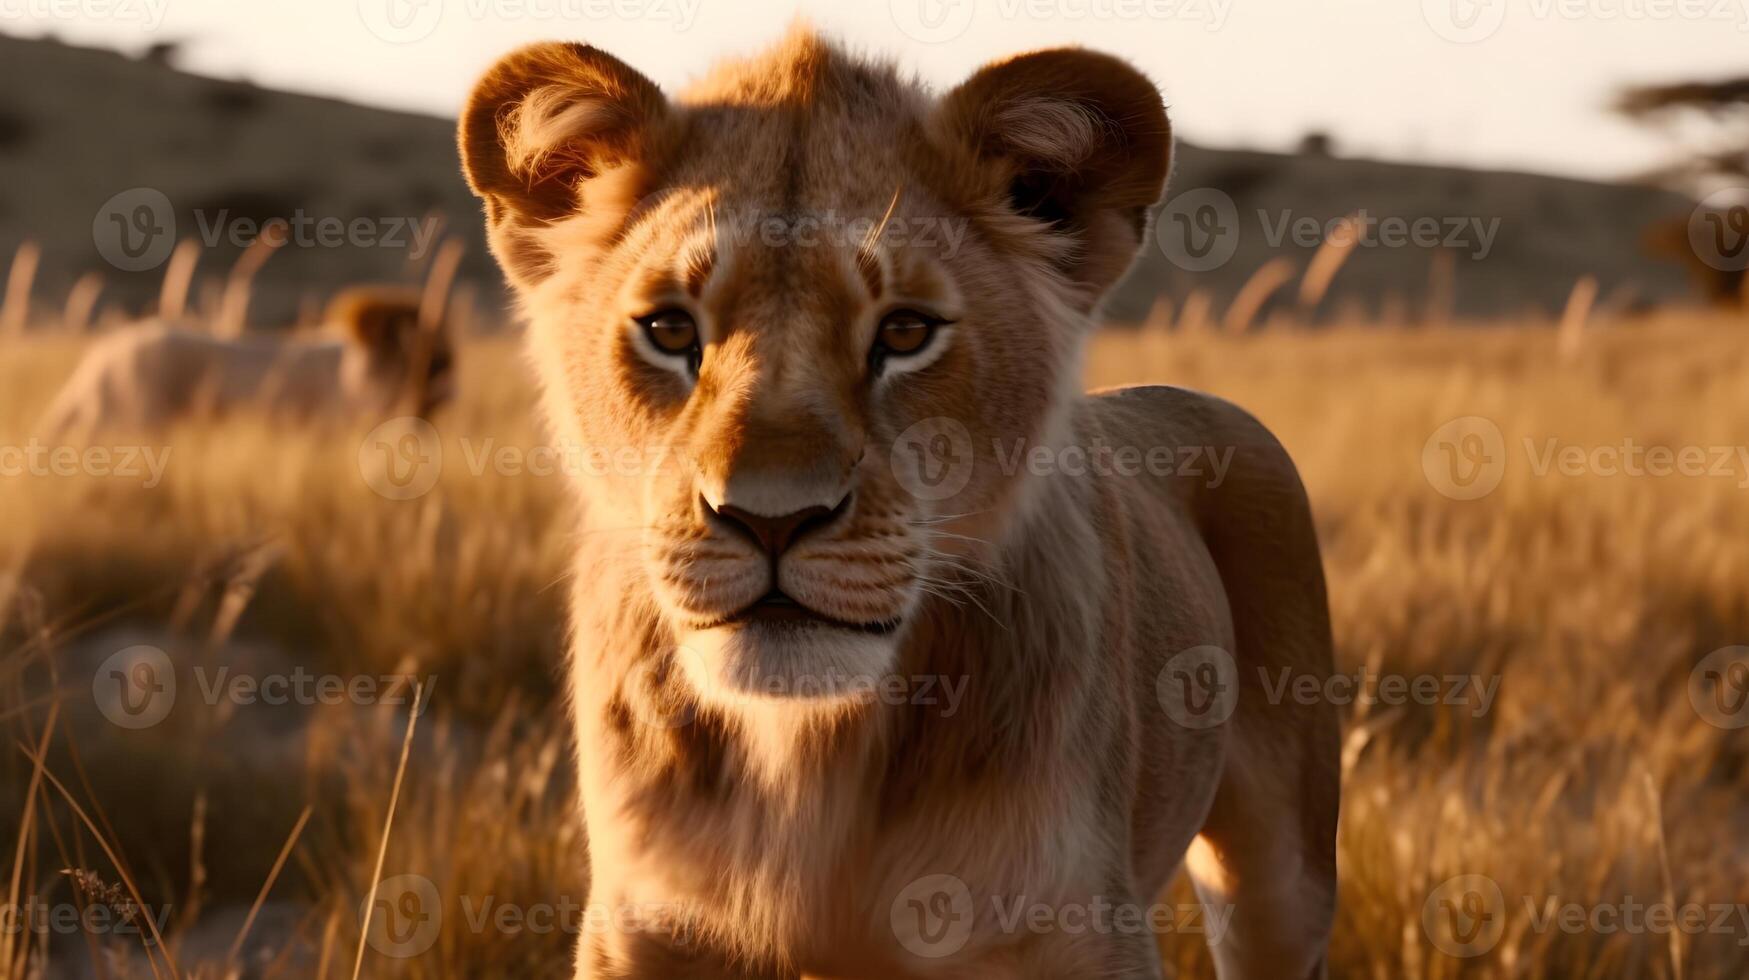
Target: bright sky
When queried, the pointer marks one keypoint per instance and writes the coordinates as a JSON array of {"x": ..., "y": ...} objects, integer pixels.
[{"x": 1502, "y": 83}]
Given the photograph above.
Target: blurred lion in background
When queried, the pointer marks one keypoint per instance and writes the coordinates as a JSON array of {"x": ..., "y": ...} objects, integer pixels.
[{"x": 156, "y": 373}]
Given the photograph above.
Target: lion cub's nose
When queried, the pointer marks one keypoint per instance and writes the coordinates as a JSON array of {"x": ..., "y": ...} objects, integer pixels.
[{"x": 776, "y": 534}]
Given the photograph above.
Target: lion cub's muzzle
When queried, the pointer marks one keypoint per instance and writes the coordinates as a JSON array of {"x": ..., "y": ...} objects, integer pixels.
[
  {"x": 791, "y": 545},
  {"x": 774, "y": 535},
  {"x": 787, "y": 574}
]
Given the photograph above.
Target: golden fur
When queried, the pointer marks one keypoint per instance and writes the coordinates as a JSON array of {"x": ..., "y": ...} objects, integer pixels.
[
  {"x": 764, "y": 797},
  {"x": 154, "y": 373}
]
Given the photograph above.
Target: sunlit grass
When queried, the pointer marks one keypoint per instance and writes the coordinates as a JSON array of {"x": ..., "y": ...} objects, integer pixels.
[{"x": 1588, "y": 599}]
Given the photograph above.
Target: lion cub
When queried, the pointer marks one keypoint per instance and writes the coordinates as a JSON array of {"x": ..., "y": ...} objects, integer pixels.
[
  {"x": 156, "y": 373},
  {"x": 894, "y": 655}
]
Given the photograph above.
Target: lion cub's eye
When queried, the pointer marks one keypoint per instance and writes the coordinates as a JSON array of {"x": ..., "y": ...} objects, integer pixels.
[
  {"x": 905, "y": 332},
  {"x": 672, "y": 332}
]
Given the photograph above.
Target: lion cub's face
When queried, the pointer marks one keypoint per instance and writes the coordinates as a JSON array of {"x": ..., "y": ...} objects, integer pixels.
[
  {"x": 772, "y": 363},
  {"x": 785, "y": 325}
]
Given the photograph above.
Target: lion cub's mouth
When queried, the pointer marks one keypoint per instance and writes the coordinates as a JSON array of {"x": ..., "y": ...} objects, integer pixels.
[{"x": 779, "y": 609}]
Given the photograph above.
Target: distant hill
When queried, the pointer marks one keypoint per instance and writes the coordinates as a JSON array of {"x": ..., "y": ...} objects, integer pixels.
[
  {"x": 1514, "y": 242},
  {"x": 79, "y": 126}
]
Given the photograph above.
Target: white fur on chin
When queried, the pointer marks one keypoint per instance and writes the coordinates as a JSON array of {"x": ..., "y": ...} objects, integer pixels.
[{"x": 748, "y": 665}]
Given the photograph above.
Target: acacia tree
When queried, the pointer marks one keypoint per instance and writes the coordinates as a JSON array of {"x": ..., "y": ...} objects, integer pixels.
[
  {"x": 1716, "y": 113},
  {"x": 1712, "y": 120}
]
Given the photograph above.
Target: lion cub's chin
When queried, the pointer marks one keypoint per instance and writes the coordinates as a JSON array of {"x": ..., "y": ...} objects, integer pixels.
[{"x": 801, "y": 664}]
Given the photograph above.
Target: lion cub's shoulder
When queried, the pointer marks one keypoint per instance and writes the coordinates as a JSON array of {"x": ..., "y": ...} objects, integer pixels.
[
  {"x": 1221, "y": 454},
  {"x": 1178, "y": 416}
]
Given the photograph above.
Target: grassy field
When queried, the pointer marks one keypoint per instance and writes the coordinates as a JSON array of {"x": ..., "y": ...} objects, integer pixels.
[{"x": 1571, "y": 757}]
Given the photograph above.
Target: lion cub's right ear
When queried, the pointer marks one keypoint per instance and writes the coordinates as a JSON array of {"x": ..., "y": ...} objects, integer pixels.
[{"x": 539, "y": 132}]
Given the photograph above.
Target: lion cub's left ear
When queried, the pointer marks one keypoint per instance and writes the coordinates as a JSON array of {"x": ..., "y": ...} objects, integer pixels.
[
  {"x": 540, "y": 135},
  {"x": 1071, "y": 137}
]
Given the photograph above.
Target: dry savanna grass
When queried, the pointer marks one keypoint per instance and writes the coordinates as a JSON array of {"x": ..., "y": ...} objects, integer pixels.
[{"x": 1574, "y": 767}]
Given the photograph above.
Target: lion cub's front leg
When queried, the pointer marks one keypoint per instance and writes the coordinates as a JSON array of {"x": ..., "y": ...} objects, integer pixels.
[
  {"x": 638, "y": 954},
  {"x": 1107, "y": 953}
]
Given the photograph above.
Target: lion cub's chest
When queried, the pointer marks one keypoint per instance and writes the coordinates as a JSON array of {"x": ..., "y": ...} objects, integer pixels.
[{"x": 826, "y": 866}]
